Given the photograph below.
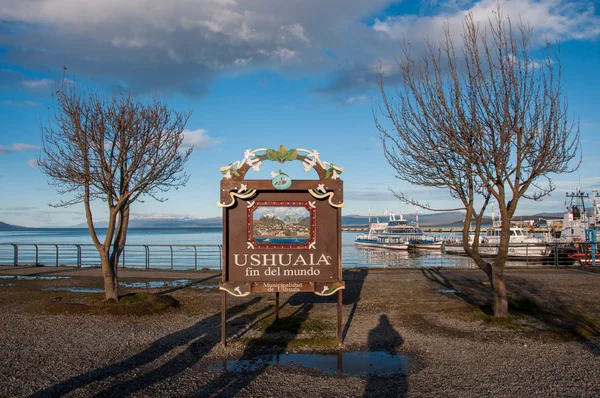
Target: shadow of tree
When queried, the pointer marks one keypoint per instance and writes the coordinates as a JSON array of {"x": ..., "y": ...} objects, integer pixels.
[
  {"x": 589, "y": 269},
  {"x": 545, "y": 305},
  {"x": 202, "y": 335},
  {"x": 537, "y": 301},
  {"x": 385, "y": 338},
  {"x": 470, "y": 290},
  {"x": 192, "y": 283}
]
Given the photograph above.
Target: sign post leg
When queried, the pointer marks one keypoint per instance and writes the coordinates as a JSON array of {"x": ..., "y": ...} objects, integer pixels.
[
  {"x": 276, "y": 305},
  {"x": 223, "y": 318},
  {"x": 339, "y": 317}
]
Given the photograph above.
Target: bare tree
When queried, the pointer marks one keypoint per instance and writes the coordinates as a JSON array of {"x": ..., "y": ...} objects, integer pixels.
[
  {"x": 485, "y": 120},
  {"x": 114, "y": 148}
]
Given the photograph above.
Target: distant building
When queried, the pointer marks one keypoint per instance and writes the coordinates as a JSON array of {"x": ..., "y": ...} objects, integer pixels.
[{"x": 526, "y": 223}]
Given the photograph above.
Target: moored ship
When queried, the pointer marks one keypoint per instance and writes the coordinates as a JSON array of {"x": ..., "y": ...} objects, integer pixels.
[{"x": 394, "y": 234}]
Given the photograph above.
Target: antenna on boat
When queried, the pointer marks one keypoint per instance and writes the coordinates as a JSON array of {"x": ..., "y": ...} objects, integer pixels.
[
  {"x": 417, "y": 215},
  {"x": 369, "y": 217}
]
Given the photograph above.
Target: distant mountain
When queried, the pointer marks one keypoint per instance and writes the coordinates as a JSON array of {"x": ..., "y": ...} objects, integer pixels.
[
  {"x": 9, "y": 227},
  {"x": 541, "y": 215},
  {"x": 212, "y": 222},
  {"x": 442, "y": 218},
  {"x": 454, "y": 218}
]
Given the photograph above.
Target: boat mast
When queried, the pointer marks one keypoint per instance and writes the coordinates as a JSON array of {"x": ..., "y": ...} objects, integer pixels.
[
  {"x": 576, "y": 203},
  {"x": 595, "y": 221}
]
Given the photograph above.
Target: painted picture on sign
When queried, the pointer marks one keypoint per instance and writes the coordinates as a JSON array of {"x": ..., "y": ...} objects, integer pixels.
[{"x": 281, "y": 224}]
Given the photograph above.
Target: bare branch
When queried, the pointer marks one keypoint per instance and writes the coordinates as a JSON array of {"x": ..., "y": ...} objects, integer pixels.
[
  {"x": 113, "y": 148},
  {"x": 488, "y": 122}
]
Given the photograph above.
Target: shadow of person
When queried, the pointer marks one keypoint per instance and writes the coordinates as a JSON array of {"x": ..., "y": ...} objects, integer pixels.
[
  {"x": 258, "y": 355},
  {"x": 385, "y": 338},
  {"x": 203, "y": 335}
]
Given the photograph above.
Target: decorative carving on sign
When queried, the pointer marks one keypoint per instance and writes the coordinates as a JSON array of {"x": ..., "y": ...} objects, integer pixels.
[
  {"x": 236, "y": 289},
  {"x": 281, "y": 180},
  {"x": 327, "y": 289},
  {"x": 254, "y": 158},
  {"x": 321, "y": 193},
  {"x": 243, "y": 192}
]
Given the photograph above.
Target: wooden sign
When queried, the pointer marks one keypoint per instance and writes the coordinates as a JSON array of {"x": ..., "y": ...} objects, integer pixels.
[{"x": 281, "y": 235}]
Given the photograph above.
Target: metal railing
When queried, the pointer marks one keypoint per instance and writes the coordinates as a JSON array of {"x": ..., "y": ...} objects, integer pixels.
[
  {"x": 195, "y": 257},
  {"x": 168, "y": 256}
]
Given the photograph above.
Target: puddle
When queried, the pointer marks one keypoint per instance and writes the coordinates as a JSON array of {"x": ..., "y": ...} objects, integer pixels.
[
  {"x": 76, "y": 289},
  {"x": 159, "y": 284},
  {"x": 447, "y": 291},
  {"x": 356, "y": 364},
  {"x": 7, "y": 284},
  {"x": 32, "y": 278},
  {"x": 204, "y": 286}
]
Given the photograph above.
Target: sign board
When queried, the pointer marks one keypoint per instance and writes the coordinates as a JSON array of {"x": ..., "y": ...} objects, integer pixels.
[{"x": 281, "y": 235}]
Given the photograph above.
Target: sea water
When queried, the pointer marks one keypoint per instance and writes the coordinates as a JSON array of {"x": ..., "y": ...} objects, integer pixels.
[{"x": 351, "y": 256}]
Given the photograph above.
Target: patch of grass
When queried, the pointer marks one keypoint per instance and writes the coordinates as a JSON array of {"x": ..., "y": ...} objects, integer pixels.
[
  {"x": 579, "y": 326},
  {"x": 502, "y": 322},
  {"x": 130, "y": 304},
  {"x": 133, "y": 298},
  {"x": 524, "y": 305},
  {"x": 483, "y": 315},
  {"x": 293, "y": 324},
  {"x": 562, "y": 322}
]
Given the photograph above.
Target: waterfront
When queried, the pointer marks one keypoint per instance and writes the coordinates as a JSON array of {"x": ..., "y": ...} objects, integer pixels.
[{"x": 184, "y": 248}]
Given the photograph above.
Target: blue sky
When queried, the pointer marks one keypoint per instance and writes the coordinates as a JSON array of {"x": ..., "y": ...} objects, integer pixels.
[{"x": 255, "y": 74}]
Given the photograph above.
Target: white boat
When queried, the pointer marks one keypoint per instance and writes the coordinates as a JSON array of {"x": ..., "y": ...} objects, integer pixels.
[
  {"x": 577, "y": 219},
  {"x": 427, "y": 244},
  {"x": 580, "y": 227},
  {"x": 453, "y": 245},
  {"x": 394, "y": 234},
  {"x": 521, "y": 246}
]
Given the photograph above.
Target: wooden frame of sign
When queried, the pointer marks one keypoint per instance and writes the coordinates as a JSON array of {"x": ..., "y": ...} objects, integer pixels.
[{"x": 281, "y": 235}]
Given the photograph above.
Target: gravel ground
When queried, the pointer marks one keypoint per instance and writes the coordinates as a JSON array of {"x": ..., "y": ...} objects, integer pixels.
[{"x": 50, "y": 345}]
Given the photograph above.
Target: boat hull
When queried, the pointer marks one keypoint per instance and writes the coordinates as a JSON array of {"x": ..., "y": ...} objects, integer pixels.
[
  {"x": 518, "y": 252},
  {"x": 426, "y": 246},
  {"x": 380, "y": 245}
]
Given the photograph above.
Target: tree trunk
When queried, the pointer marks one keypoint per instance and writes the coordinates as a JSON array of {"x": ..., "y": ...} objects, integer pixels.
[
  {"x": 500, "y": 297},
  {"x": 109, "y": 270}
]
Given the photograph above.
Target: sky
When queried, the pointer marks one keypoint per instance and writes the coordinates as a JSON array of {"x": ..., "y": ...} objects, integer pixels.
[{"x": 257, "y": 74}]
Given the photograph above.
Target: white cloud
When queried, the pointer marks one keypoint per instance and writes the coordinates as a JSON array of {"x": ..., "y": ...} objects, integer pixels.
[
  {"x": 28, "y": 104},
  {"x": 241, "y": 62},
  {"x": 18, "y": 147},
  {"x": 360, "y": 99},
  {"x": 198, "y": 139},
  {"x": 551, "y": 19},
  {"x": 37, "y": 84},
  {"x": 33, "y": 163},
  {"x": 182, "y": 45},
  {"x": 296, "y": 31}
]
